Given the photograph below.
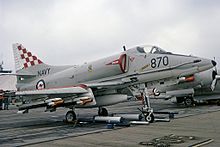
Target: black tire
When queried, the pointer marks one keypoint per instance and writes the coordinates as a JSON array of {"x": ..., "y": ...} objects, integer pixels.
[
  {"x": 188, "y": 101},
  {"x": 103, "y": 112},
  {"x": 149, "y": 118},
  {"x": 218, "y": 103},
  {"x": 179, "y": 100},
  {"x": 70, "y": 116}
]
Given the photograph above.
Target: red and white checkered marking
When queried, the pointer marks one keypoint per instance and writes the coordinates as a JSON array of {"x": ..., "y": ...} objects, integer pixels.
[{"x": 27, "y": 57}]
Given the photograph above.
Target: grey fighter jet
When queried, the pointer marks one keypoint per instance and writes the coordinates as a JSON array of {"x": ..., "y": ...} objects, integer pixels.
[{"x": 100, "y": 83}]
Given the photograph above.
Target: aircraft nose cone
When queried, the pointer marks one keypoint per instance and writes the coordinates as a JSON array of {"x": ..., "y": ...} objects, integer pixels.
[{"x": 214, "y": 63}]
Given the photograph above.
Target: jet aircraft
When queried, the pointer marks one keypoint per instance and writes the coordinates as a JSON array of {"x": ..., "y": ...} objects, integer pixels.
[{"x": 99, "y": 83}]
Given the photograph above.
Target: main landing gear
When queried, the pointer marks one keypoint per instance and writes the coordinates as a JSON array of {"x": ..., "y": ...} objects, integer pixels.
[
  {"x": 188, "y": 101},
  {"x": 102, "y": 111},
  {"x": 70, "y": 116}
]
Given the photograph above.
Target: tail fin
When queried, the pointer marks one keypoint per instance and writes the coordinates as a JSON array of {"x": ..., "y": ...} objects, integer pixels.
[{"x": 23, "y": 58}]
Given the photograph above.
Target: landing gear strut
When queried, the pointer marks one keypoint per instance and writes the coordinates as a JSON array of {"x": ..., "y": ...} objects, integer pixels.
[
  {"x": 102, "y": 111},
  {"x": 146, "y": 110},
  {"x": 70, "y": 116}
]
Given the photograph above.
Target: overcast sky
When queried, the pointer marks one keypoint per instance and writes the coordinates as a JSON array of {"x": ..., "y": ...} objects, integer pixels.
[{"x": 65, "y": 32}]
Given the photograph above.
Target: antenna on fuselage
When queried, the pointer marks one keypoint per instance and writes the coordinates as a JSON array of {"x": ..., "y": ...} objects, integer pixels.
[{"x": 124, "y": 48}]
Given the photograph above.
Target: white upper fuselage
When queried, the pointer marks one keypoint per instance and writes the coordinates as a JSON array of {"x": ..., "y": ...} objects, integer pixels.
[{"x": 143, "y": 64}]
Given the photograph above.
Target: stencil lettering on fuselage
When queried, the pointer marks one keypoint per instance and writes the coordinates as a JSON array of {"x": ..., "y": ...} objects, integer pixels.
[{"x": 44, "y": 72}]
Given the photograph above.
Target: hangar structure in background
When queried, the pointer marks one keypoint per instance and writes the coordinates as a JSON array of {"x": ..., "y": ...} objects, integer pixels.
[{"x": 100, "y": 83}]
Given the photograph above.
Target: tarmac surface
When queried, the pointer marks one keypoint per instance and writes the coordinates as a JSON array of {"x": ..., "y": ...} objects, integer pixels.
[{"x": 38, "y": 128}]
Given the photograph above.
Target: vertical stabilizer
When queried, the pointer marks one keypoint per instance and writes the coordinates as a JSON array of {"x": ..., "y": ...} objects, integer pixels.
[{"x": 23, "y": 58}]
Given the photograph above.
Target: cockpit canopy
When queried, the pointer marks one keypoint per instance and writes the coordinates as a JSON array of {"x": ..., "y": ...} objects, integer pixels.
[{"x": 151, "y": 49}]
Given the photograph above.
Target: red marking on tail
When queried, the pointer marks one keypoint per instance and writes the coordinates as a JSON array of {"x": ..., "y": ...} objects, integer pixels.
[{"x": 29, "y": 60}]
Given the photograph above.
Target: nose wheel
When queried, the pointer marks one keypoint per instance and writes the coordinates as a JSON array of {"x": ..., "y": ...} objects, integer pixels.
[
  {"x": 149, "y": 117},
  {"x": 146, "y": 110}
]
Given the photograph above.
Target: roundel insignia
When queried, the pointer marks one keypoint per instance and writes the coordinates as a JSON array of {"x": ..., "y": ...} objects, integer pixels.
[
  {"x": 156, "y": 92},
  {"x": 40, "y": 85}
]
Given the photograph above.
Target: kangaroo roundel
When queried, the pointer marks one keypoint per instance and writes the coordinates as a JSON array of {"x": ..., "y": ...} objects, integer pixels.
[{"x": 40, "y": 85}]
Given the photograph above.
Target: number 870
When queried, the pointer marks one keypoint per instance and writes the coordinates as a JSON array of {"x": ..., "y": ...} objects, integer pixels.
[{"x": 156, "y": 62}]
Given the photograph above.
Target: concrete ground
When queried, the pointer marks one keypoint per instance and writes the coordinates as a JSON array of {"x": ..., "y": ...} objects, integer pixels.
[{"x": 202, "y": 127}]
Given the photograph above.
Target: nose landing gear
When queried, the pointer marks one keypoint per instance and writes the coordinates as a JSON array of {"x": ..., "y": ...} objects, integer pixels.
[
  {"x": 146, "y": 110},
  {"x": 148, "y": 116}
]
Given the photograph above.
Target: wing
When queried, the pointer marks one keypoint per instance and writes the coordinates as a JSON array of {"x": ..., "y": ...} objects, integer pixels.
[
  {"x": 53, "y": 91},
  {"x": 57, "y": 97}
]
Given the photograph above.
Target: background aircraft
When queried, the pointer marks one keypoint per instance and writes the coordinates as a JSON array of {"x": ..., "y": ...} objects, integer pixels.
[
  {"x": 202, "y": 86},
  {"x": 2, "y": 70},
  {"x": 100, "y": 83}
]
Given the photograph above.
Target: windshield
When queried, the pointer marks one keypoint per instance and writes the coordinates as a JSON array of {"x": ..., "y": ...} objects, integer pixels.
[{"x": 150, "y": 49}]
